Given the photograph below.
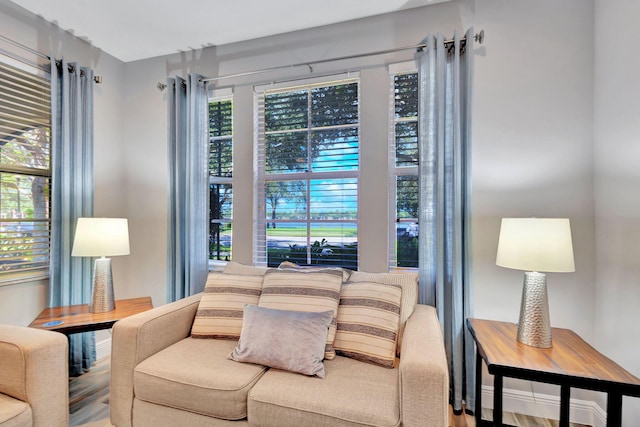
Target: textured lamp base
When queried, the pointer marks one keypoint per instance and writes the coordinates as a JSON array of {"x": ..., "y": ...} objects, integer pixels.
[
  {"x": 534, "y": 327},
  {"x": 102, "y": 298}
]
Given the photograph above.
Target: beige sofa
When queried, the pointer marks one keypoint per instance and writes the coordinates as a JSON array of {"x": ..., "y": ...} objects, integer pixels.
[
  {"x": 161, "y": 376},
  {"x": 34, "y": 381}
]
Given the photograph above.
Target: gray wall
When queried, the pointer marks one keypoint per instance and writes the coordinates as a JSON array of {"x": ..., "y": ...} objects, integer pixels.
[
  {"x": 145, "y": 105},
  {"x": 554, "y": 126},
  {"x": 617, "y": 184}
]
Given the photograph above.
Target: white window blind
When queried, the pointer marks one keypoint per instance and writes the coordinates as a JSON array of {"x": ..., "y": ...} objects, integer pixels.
[
  {"x": 25, "y": 174},
  {"x": 403, "y": 155},
  {"x": 307, "y": 174},
  {"x": 220, "y": 178}
]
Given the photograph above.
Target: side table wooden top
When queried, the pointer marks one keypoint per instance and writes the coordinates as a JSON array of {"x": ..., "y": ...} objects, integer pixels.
[
  {"x": 570, "y": 357},
  {"x": 78, "y": 318}
]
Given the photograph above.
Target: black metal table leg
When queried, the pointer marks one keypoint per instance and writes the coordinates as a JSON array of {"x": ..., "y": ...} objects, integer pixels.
[
  {"x": 478, "y": 408},
  {"x": 614, "y": 409},
  {"x": 565, "y": 399},
  {"x": 497, "y": 400}
]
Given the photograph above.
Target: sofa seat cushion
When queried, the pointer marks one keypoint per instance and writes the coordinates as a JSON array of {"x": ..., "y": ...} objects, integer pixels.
[
  {"x": 353, "y": 393},
  {"x": 14, "y": 412},
  {"x": 195, "y": 375}
]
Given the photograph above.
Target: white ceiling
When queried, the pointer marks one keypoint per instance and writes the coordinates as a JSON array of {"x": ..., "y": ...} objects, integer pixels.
[{"x": 138, "y": 29}]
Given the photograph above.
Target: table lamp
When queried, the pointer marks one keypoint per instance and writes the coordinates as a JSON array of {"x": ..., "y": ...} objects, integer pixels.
[
  {"x": 535, "y": 245},
  {"x": 101, "y": 237}
]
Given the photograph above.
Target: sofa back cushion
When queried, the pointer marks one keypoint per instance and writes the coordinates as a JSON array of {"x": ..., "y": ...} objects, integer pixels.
[
  {"x": 219, "y": 313},
  {"x": 288, "y": 265},
  {"x": 311, "y": 291},
  {"x": 368, "y": 321},
  {"x": 233, "y": 267}
]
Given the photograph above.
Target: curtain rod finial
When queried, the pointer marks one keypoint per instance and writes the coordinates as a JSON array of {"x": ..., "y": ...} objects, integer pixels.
[
  {"x": 479, "y": 37},
  {"x": 161, "y": 86},
  {"x": 97, "y": 79}
]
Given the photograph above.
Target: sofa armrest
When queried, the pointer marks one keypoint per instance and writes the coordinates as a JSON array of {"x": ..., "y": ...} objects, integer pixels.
[
  {"x": 136, "y": 338},
  {"x": 424, "y": 374},
  {"x": 34, "y": 369}
]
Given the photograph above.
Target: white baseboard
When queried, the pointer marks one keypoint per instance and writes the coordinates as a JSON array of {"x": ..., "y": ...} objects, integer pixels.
[
  {"x": 103, "y": 348},
  {"x": 546, "y": 406}
]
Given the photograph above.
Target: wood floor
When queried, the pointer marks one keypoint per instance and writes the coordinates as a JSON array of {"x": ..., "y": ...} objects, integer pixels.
[
  {"x": 89, "y": 404},
  {"x": 89, "y": 396}
]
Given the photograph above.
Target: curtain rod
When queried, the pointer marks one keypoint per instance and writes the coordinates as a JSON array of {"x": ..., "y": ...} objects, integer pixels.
[
  {"x": 479, "y": 37},
  {"x": 97, "y": 79}
]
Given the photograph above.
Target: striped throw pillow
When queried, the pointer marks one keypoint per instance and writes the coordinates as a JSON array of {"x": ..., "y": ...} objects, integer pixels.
[
  {"x": 409, "y": 284},
  {"x": 311, "y": 291},
  {"x": 368, "y": 321},
  {"x": 219, "y": 313}
]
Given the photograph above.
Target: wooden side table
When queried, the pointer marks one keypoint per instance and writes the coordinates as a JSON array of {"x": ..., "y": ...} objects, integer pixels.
[
  {"x": 571, "y": 362},
  {"x": 71, "y": 319}
]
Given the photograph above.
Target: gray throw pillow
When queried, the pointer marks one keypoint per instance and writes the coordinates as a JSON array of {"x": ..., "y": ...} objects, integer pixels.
[{"x": 282, "y": 339}]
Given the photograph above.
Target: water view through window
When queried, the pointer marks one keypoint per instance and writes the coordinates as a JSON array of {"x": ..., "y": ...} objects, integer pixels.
[{"x": 310, "y": 189}]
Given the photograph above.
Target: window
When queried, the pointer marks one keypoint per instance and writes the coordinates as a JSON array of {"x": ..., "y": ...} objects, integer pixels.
[
  {"x": 220, "y": 178},
  {"x": 308, "y": 162},
  {"x": 25, "y": 174},
  {"x": 404, "y": 170}
]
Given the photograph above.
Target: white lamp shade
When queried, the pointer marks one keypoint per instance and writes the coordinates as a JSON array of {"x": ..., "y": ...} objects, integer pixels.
[
  {"x": 536, "y": 244},
  {"x": 101, "y": 237}
]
